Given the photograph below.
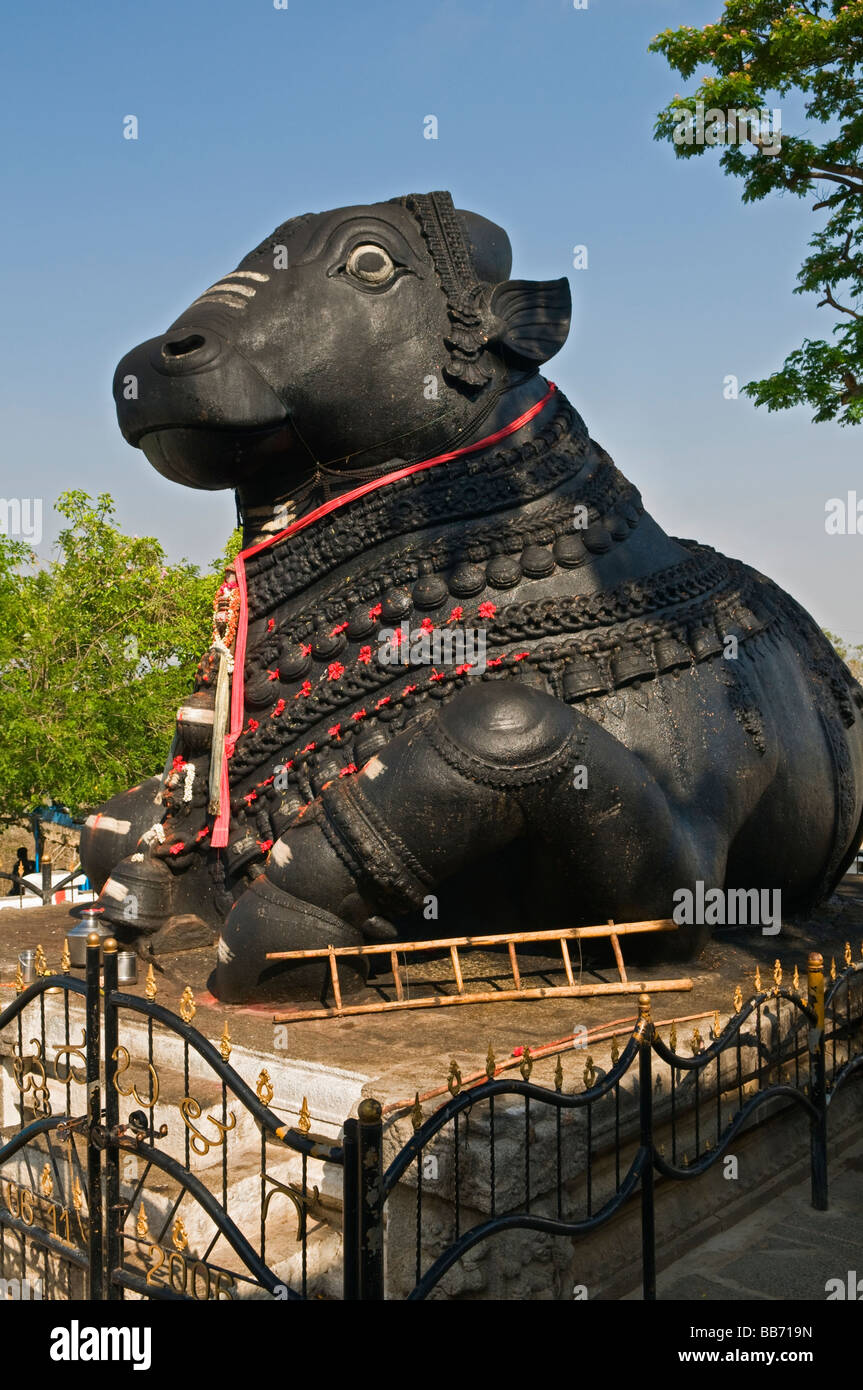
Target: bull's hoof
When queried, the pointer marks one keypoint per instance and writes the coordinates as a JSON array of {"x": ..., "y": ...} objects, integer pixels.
[
  {"x": 268, "y": 919},
  {"x": 138, "y": 894}
]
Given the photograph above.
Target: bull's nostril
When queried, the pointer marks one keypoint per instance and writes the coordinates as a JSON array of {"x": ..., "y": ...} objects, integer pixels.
[{"x": 181, "y": 347}]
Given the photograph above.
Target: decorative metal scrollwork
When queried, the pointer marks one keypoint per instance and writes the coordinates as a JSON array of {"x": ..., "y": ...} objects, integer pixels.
[
  {"x": 68, "y": 1050},
  {"x": 121, "y": 1056},
  {"x": 300, "y": 1200},
  {"x": 190, "y": 1109},
  {"x": 38, "y": 1084}
]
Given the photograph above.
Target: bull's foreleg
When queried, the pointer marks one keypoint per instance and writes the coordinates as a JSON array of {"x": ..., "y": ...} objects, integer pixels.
[{"x": 500, "y": 762}]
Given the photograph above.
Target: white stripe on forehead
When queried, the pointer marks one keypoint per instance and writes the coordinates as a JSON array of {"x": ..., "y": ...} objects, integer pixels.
[{"x": 247, "y": 291}]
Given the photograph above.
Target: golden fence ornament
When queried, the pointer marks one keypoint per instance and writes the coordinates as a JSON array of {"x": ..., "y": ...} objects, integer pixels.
[
  {"x": 188, "y": 1007},
  {"x": 46, "y": 1182},
  {"x": 558, "y": 1074},
  {"x": 695, "y": 1042},
  {"x": 69, "y": 1051},
  {"x": 150, "y": 984},
  {"x": 179, "y": 1235},
  {"x": 589, "y": 1072},
  {"x": 526, "y": 1064},
  {"x": 142, "y": 1229},
  {"x": 454, "y": 1078},
  {"x": 19, "y": 980},
  {"x": 758, "y": 979},
  {"x": 490, "y": 1065},
  {"x": 304, "y": 1123},
  {"x": 738, "y": 999},
  {"x": 417, "y": 1113},
  {"x": 795, "y": 982},
  {"x": 833, "y": 967},
  {"x": 120, "y": 1055},
  {"x": 672, "y": 1036},
  {"x": 225, "y": 1044},
  {"x": 716, "y": 1028},
  {"x": 777, "y": 973},
  {"x": 615, "y": 1051},
  {"x": 37, "y": 1084},
  {"x": 264, "y": 1088},
  {"x": 77, "y": 1195},
  {"x": 848, "y": 956},
  {"x": 190, "y": 1109},
  {"x": 65, "y": 959},
  {"x": 40, "y": 963}
]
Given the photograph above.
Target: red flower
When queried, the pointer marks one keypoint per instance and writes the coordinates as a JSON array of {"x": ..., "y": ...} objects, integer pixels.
[
  {"x": 456, "y": 615},
  {"x": 280, "y": 705},
  {"x": 335, "y": 671},
  {"x": 408, "y": 690},
  {"x": 271, "y": 623},
  {"x": 265, "y": 845},
  {"x": 337, "y": 631},
  {"x": 178, "y": 763},
  {"x": 460, "y": 670},
  {"x": 306, "y": 648},
  {"x": 427, "y": 625},
  {"x": 272, "y": 675},
  {"x": 520, "y": 656},
  {"x": 305, "y": 689},
  {"x": 309, "y": 748},
  {"x": 177, "y": 848},
  {"x": 385, "y": 700},
  {"x": 364, "y": 655},
  {"x": 202, "y": 834},
  {"x": 376, "y": 611},
  {"x": 334, "y": 731},
  {"x": 351, "y": 767},
  {"x": 360, "y": 714},
  {"x": 496, "y": 662},
  {"x": 253, "y": 725},
  {"x": 437, "y": 676},
  {"x": 250, "y": 797},
  {"x": 487, "y": 610}
]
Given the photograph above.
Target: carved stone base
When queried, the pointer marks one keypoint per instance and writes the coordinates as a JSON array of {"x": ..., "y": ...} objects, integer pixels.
[{"x": 183, "y": 932}]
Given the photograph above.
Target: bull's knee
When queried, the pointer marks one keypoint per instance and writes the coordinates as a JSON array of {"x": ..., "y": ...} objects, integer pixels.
[{"x": 504, "y": 733}]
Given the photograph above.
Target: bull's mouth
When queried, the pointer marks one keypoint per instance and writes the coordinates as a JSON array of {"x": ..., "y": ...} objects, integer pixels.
[{"x": 212, "y": 459}]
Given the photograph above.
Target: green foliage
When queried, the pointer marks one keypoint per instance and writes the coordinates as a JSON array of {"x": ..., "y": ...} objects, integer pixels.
[
  {"x": 97, "y": 650},
  {"x": 760, "y": 47}
]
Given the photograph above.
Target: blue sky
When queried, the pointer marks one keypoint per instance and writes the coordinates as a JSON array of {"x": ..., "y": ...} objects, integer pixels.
[{"x": 248, "y": 115}]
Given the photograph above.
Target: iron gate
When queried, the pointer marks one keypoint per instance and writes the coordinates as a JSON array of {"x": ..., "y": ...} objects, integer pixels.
[{"x": 112, "y": 1200}]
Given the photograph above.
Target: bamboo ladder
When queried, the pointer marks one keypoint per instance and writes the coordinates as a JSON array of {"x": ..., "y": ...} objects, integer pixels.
[{"x": 609, "y": 929}]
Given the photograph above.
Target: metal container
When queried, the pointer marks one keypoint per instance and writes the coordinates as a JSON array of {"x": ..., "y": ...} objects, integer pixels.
[
  {"x": 76, "y": 938},
  {"x": 127, "y": 968},
  {"x": 27, "y": 962}
]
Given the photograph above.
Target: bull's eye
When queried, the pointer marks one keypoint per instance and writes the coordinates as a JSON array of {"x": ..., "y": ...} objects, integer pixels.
[{"x": 370, "y": 264}]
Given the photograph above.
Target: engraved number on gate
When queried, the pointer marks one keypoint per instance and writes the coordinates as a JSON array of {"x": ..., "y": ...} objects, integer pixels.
[{"x": 198, "y": 1279}]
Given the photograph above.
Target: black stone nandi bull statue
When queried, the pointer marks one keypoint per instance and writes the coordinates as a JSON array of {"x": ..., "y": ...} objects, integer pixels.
[{"x": 646, "y": 714}]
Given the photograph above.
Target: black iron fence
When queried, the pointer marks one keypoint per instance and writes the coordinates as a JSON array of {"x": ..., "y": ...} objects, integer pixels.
[
  {"x": 107, "y": 1200},
  {"x": 45, "y": 890}
]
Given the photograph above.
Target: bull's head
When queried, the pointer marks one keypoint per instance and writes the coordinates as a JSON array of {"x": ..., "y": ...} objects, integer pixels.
[{"x": 345, "y": 340}]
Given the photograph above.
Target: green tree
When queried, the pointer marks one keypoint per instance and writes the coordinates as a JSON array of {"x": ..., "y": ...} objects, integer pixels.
[
  {"x": 97, "y": 650},
  {"x": 764, "y": 47}
]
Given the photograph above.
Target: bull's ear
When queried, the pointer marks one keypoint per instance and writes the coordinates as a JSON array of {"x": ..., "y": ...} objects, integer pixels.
[{"x": 532, "y": 316}]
